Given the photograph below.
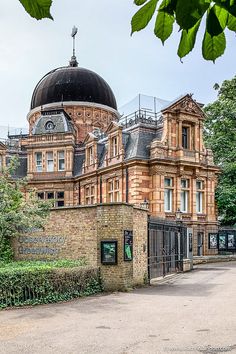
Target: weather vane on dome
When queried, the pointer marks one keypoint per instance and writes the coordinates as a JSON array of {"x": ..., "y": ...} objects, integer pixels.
[{"x": 73, "y": 61}]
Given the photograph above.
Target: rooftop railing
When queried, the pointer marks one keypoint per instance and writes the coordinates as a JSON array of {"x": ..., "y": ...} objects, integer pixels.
[{"x": 141, "y": 116}]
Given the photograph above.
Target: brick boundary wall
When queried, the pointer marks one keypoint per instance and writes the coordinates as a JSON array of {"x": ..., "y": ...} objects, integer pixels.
[{"x": 77, "y": 232}]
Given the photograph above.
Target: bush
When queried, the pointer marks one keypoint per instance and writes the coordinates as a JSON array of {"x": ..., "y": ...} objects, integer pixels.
[{"x": 30, "y": 283}]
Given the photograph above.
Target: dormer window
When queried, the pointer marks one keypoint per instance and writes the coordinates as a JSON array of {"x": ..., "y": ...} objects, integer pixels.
[
  {"x": 90, "y": 156},
  {"x": 49, "y": 125},
  {"x": 114, "y": 146}
]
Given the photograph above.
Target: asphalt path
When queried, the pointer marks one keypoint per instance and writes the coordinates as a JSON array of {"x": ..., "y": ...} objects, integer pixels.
[{"x": 192, "y": 313}]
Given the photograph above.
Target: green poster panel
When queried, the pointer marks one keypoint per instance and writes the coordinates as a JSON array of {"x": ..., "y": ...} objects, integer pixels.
[
  {"x": 109, "y": 252},
  {"x": 128, "y": 245}
]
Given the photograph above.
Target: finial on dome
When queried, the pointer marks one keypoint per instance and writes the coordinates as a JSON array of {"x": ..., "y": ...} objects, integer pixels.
[{"x": 73, "y": 61}]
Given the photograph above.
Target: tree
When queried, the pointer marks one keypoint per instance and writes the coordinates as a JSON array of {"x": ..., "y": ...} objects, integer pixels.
[
  {"x": 220, "y": 135},
  {"x": 219, "y": 15},
  {"x": 17, "y": 212}
]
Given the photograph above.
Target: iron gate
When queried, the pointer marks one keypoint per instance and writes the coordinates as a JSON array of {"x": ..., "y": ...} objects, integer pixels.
[{"x": 166, "y": 247}]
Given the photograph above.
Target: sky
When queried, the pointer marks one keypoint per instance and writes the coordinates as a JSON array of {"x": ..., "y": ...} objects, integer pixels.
[{"x": 131, "y": 65}]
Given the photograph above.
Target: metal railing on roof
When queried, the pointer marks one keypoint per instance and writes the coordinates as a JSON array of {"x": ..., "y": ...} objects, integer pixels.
[{"x": 141, "y": 116}]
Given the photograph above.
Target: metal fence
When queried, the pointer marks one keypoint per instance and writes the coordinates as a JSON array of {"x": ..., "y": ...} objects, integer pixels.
[{"x": 166, "y": 248}]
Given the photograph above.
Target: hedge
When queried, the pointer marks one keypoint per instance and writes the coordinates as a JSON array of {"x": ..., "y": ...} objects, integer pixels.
[{"x": 40, "y": 285}]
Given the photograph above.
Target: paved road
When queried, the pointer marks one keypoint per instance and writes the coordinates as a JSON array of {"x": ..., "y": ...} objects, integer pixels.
[{"x": 193, "y": 313}]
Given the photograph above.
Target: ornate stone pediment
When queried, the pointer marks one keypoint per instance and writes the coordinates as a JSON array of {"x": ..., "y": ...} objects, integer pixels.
[
  {"x": 90, "y": 137},
  {"x": 113, "y": 126},
  {"x": 186, "y": 104}
]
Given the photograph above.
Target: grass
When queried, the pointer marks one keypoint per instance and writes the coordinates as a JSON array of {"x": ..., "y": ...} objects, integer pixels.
[{"x": 40, "y": 265}]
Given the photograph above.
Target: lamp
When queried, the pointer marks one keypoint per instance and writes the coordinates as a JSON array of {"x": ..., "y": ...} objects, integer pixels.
[
  {"x": 178, "y": 215},
  {"x": 145, "y": 204}
]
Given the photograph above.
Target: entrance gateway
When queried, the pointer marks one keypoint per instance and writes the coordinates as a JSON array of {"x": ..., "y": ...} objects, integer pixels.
[{"x": 169, "y": 244}]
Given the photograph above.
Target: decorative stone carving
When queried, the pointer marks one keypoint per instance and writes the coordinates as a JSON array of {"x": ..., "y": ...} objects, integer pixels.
[{"x": 159, "y": 169}]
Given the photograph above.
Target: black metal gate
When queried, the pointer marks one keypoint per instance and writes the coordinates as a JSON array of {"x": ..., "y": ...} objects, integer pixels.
[{"x": 166, "y": 247}]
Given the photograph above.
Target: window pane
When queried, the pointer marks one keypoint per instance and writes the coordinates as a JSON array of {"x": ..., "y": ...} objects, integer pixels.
[
  {"x": 110, "y": 186},
  {"x": 184, "y": 201},
  {"x": 199, "y": 184},
  {"x": 50, "y": 195},
  {"x": 38, "y": 161},
  {"x": 184, "y": 183},
  {"x": 61, "y": 161},
  {"x": 60, "y": 195},
  {"x": 61, "y": 154},
  {"x": 60, "y": 203},
  {"x": 117, "y": 184},
  {"x": 50, "y": 165},
  {"x": 199, "y": 202},
  {"x": 168, "y": 199},
  {"x": 168, "y": 182},
  {"x": 185, "y": 137},
  {"x": 40, "y": 195},
  {"x": 117, "y": 197}
]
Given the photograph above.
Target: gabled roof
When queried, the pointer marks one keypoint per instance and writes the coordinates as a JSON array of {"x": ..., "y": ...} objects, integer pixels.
[
  {"x": 184, "y": 103},
  {"x": 113, "y": 126}
]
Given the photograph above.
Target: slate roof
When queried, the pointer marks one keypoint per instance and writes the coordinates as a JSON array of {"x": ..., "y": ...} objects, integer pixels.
[
  {"x": 138, "y": 144},
  {"x": 60, "y": 122},
  {"x": 78, "y": 164}
]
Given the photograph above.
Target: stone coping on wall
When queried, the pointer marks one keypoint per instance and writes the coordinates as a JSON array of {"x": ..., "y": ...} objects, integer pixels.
[
  {"x": 213, "y": 259},
  {"x": 98, "y": 205}
]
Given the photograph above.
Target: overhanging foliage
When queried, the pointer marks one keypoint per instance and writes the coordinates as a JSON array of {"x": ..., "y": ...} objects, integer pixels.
[{"x": 218, "y": 15}]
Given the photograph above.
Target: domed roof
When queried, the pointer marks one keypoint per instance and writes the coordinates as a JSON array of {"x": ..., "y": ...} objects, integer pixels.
[{"x": 72, "y": 83}]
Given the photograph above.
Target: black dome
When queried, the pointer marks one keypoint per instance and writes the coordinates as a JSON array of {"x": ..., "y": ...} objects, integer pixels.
[{"x": 72, "y": 84}]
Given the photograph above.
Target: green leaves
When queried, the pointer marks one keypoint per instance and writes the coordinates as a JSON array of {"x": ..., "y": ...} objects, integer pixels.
[
  {"x": 164, "y": 25},
  {"x": 187, "y": 40},
  {"x": 219, "y": 14},
  {"x": 213, "y": 47},
  {"x": 141, "y": 19},
  {"x": 37, "y": 8},
  {"x": 188, "y": 13}
]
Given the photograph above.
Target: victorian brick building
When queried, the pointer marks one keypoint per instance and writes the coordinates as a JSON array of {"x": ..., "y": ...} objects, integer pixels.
[{"x": 80, "y": 151}]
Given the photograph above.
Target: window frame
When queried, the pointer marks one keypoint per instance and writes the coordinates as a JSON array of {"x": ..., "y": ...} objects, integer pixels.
[
  {"x": 199, "y": 196},
  {"x": 59, "y": 159},
  {"x": 90, "y": 157},
  {"x": 168, "y": 195},
  {"x": 113, "y": 190},
  {"x": 54, "y": 196},
  {"x": 185, "y": 137},
  {"x": 184, "y": 195},
  {"x": 49, "y": 160},
  {"x": 38, "y": 166},
  {"x": 114, "y": 146},
  {"x": 89, "y": 194}
]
